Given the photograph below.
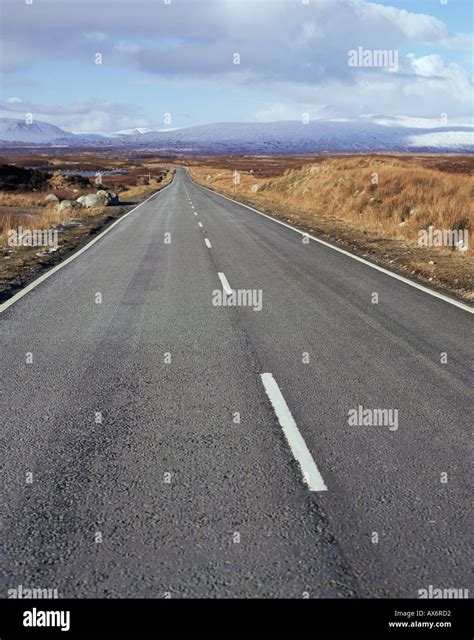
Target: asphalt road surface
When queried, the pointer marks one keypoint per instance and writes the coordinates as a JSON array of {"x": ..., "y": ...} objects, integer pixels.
[{"x": 144, "y": 455}]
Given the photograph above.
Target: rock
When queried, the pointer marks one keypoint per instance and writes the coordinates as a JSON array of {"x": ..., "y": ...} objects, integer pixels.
[
  {"x": 255, "y": 188},
  {"x": 82, "y": 200},
  {"x": 103, "y": 195},
  {"x": 109, "y": 197},
  {"x": 402, "y": 224},
  {"x": 68, "y": 204},
  {"x": 93, "y": 200},
  {"x": 51, "y": 198}
]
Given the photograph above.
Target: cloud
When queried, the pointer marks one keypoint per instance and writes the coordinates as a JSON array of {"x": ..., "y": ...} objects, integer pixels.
[
  {"x": 298, "y": 51},
  {"x": 82, "y": 116}
]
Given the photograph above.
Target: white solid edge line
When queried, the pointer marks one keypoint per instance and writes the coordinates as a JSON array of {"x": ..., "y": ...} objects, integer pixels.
[
  {"x": 392, "y": 274},
  {"x": 208, "y": 244},
  {"x": 225, "y": 283},
  {"x": 311, "y": 476},
  {"x": 62, "y": 264},
  {"x": 200, "y": 224}
]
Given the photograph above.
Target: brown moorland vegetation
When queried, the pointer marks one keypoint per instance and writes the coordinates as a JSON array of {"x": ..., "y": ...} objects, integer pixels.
[
  {"x": 25, "y": 205},
  {"x": 373, "y": 205}
]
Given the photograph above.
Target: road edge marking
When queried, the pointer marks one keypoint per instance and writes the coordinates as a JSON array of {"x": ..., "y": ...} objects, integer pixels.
[
  {"x": 19, "y": 294},
  {"x": 392, "y": 274},
  {"x": 311, "y": 475}
]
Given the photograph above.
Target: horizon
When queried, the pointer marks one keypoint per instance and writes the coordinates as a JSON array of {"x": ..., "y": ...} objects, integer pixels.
[{"x": 233, "y": 62}]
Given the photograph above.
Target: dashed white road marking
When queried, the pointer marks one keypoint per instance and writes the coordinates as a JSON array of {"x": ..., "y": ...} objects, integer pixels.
[
  {"x": 225, "y": 283},
  {"x": 195, "y": 213},
  {"x": 200, "y": 224},
  {"x": 208, "y": 244},
  {"x": 298, "y": 447}
]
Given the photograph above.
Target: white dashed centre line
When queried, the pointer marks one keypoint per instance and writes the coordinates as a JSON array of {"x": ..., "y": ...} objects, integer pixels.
[
  {"x": 200, "y": 224},
  {"x": 208, "y": 244},
  {"x": 225, "y": 284},
  {"x": 311, "y": 475}
]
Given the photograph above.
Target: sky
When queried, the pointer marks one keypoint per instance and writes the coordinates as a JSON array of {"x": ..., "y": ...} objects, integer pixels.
[{"x": 180, "y": 63}]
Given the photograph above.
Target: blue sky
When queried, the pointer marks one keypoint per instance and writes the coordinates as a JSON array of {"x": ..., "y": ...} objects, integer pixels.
[{"x": 178, "y": 59}]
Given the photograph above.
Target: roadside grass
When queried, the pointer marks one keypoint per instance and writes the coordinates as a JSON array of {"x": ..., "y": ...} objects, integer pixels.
[
  {"x": 387, "y": 197},
  {"x": 30, "y": 211},
  {"x": 21, "y": 264},
  {"x": 373, "y": 205}
]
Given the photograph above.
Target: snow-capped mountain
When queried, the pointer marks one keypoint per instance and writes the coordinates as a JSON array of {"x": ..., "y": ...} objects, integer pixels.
[
  {"x": 359, "y": 135},
  {"x": 42, "y": 133},
  {"x": 131, "y": 132}
]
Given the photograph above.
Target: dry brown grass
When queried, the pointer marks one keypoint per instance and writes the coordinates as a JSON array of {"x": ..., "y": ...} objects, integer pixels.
[
  {"x": 139, "y": 190},
  {"x": 414, "y": 196},
  {"x": 336, "y": 199},
  {"x": 30, "y": 211},
  {"x": 22, "y": 264}
]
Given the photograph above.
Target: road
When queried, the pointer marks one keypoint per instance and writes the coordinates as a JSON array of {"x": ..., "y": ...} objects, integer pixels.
[{"x": 143, "y": 457}]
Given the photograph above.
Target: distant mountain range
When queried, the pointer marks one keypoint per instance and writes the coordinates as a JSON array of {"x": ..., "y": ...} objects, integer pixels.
[
  {"x": 42, "y": 133},
  {"x": 365, "y": 134}
]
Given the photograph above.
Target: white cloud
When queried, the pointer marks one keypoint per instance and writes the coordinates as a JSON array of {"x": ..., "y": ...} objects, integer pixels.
[
  {"x": 82, "y": 116},
  {"x": 296, "y": 51}
]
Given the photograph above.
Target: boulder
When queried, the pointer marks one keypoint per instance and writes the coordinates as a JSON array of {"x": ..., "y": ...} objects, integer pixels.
[
  {"x": 68, "y": 204},
  {"x": 104, "y": 195},
  {"x": 102, "y": 198},
  {"x": 51, "y": 198},
  {"x": 93, "y": 200},
  {"x": 110, "y": 197}
]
